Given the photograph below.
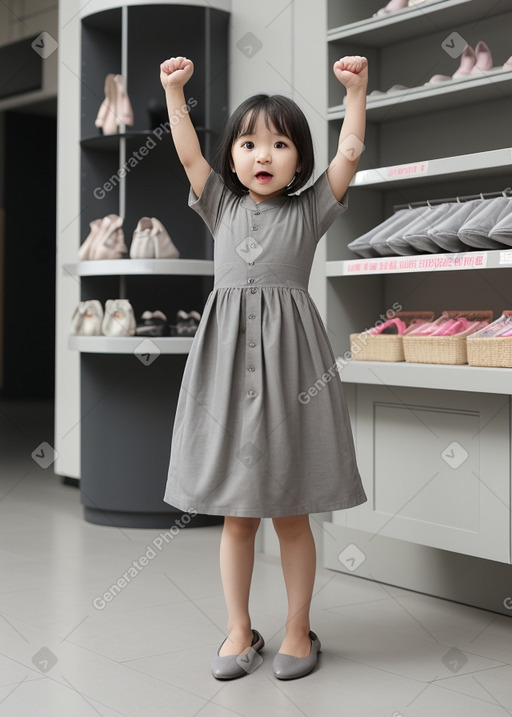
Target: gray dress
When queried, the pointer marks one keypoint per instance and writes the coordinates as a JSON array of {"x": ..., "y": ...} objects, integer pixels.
[{"x": 262, "y": 426}]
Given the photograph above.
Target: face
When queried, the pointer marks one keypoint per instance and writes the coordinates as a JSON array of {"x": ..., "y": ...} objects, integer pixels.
[{"x": 265, "y": 161}]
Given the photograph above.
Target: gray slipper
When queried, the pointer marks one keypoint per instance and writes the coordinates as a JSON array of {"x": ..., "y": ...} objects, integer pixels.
[
  {"x": 288, "y": 667},
  {"x": 231, "y": 666}
]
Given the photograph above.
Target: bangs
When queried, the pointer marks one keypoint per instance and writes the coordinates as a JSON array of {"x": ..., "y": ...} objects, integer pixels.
[{"x": 274, "y": 118}]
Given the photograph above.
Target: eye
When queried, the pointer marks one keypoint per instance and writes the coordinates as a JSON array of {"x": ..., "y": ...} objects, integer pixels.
[
  {"x": 280, "y": 145},
  {"x": 248, "y": 144}
]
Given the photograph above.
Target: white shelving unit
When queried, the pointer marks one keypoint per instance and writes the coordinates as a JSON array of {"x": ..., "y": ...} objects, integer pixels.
[
  {"x": 127, "y": 267},
  {"x": 433, "y": 441},
  {"x": 139, "y": 345}
]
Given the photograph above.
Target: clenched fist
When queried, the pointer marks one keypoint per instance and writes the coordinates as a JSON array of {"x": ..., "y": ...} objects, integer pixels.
[
  {"x": 176, "y": 72},
  {"x": 352, "y": 71}
]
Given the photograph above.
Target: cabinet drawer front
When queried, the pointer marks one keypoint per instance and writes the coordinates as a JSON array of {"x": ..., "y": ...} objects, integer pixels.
[{"x": 436, "y": 468}]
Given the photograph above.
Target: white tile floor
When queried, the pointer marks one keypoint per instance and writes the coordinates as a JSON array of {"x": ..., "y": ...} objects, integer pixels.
[{"x": 386, "y": 651}]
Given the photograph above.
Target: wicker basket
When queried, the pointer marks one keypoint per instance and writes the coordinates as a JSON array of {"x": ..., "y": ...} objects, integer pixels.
[
  {"x": 490, "y": 351},
  {"x": 384, "y": 347},
  {"x": 436, "y": 349},
  {"x": 376, "y": 347},
  {"x": 443, "y": 349}
]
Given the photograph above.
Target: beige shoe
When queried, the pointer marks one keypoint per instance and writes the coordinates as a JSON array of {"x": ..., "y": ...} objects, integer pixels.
[
  {"x": 109, "y": 241},
  {"x": 87, "y": 319},
  {"x": 85, "y": 249},
  {"x": 106, "y": 119},
  {"x": 119, "y": 319},
  {"x": 151, "y": 241},
  {"x": 124, "y": 111}
]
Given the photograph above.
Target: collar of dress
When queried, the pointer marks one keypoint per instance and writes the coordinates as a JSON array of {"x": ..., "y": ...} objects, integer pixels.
[{"x": 249, "y": 203}]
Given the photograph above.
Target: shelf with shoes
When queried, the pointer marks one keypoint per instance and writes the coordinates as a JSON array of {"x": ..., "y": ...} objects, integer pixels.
[
  {"x": 421, "y": 263},
  {"x": 422, "y": 145},
  {"x": 415, "y": 100},
  {"x": 129, "y": 267},
  {"x": 110, "y": 142},
  {"x": 130, "y": 174},
  {"x": 411, "y": 21},
  {"x": 431, "y": 81},
  {"x": 480, "y": 379},
  {"x": 136, "y": 345}
]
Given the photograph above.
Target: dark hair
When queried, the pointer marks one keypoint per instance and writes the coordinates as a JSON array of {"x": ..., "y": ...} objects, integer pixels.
[{"x": 288, "y": 119}]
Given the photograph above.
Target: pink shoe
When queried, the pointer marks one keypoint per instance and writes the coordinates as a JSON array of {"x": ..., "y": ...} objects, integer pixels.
[
  {"x": 467, "y": 63},
  {"x": 508, "y": 65},
  {"x": 483, "y": 59},
  {"x": 124, "y": 112},
  {"x": 392, "y": 6},
  {"x": 392, "y": 326}
]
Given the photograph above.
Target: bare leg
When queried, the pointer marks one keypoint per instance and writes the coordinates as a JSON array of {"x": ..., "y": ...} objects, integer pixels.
[
  {"x": 236, "y": 565},
  {"x": 298, "y": 559}
]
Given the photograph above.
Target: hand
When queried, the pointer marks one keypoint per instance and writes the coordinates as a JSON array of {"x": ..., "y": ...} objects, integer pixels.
[
  {"x": 176, "y": 72},
  {"x": 352, "y": 71}
]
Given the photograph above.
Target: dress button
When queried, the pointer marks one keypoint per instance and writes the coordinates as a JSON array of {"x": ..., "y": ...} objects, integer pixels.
[
  {"x": 254, "y": 291},
  {"x": 251, "y": 368},
  {"x": 257, "y": 211},
  {"x": 251, "y": 393},
  {"x": 252, "y": 344},
  {"x": 251, "y": 263},
  {"x": 252, "y": 316},
  {"x": 255, "y": 229},
  {"x": 253, "y": 245},
  {"x": 251, "y": 280}
]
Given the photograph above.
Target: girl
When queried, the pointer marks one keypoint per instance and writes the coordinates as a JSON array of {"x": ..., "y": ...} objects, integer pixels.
[{"x": 261, "y": 426}]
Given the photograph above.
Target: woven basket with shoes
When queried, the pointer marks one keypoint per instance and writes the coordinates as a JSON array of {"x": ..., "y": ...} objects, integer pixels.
[
  {"x": 384, "y": 347},
  {"x": 443, "y": 349}
]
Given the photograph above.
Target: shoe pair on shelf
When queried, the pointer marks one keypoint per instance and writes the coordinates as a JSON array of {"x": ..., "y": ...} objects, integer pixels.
[
  {"x": 186, "y": 324},
  {"x": 285, "y": 667},
  {"x": 150, "y": 240},
  {"x": 116, "y": 108},
  {"x": 155, "y": 324},
  {"x": 473, "y": 63},
  {"x": 90, "y": 320},
  {"x": 395, "y": 5}
]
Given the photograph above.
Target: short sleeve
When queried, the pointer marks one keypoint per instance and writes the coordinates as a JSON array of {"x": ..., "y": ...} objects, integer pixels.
[
  {"x": 323, "y": 205},
  {"x": 210, "y": 204}
]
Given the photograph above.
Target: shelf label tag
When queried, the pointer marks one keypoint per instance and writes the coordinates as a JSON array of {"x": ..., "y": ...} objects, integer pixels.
[
  {"x": 506, "y": 257},
  {"x": 422, "y": 262},
  {"x": 407, "y": 170}
]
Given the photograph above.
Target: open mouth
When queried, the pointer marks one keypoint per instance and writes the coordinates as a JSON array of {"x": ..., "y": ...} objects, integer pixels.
[{"x": 263, "y": 177}]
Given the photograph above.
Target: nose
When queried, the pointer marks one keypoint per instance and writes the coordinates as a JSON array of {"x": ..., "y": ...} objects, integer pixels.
[{"x": 264, "y": 156}]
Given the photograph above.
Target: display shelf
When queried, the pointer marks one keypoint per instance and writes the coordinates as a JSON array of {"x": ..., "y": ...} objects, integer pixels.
[
  {"x": 477, "y": 379},
  {"x": 495, "y": 162},
  {"x": 130, "y": 344},
  {"x": 110, "y": 142},
  {"x": 127, "y": 267},
  {"x": 463, "y": 261},
  {"x": 413, "y": 22},
  {"x": 441, "y": 96}
]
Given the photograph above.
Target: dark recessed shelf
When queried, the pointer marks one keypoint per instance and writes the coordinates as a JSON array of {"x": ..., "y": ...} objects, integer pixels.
[{"x": 110, "y": 142}]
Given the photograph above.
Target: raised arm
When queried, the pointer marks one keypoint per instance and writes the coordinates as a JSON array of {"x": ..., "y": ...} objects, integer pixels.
[
  {"x": 174, "y": 74},
  {"x": 352, "y": 72}
]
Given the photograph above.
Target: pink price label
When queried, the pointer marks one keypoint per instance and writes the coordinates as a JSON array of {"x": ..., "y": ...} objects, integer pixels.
[{"x": 407, "y": 170}]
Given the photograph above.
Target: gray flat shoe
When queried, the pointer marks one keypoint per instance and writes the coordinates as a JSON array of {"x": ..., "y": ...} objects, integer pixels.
[
  {"x": 288, "y": 667},
  {"x": 231, "y": 666}
]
